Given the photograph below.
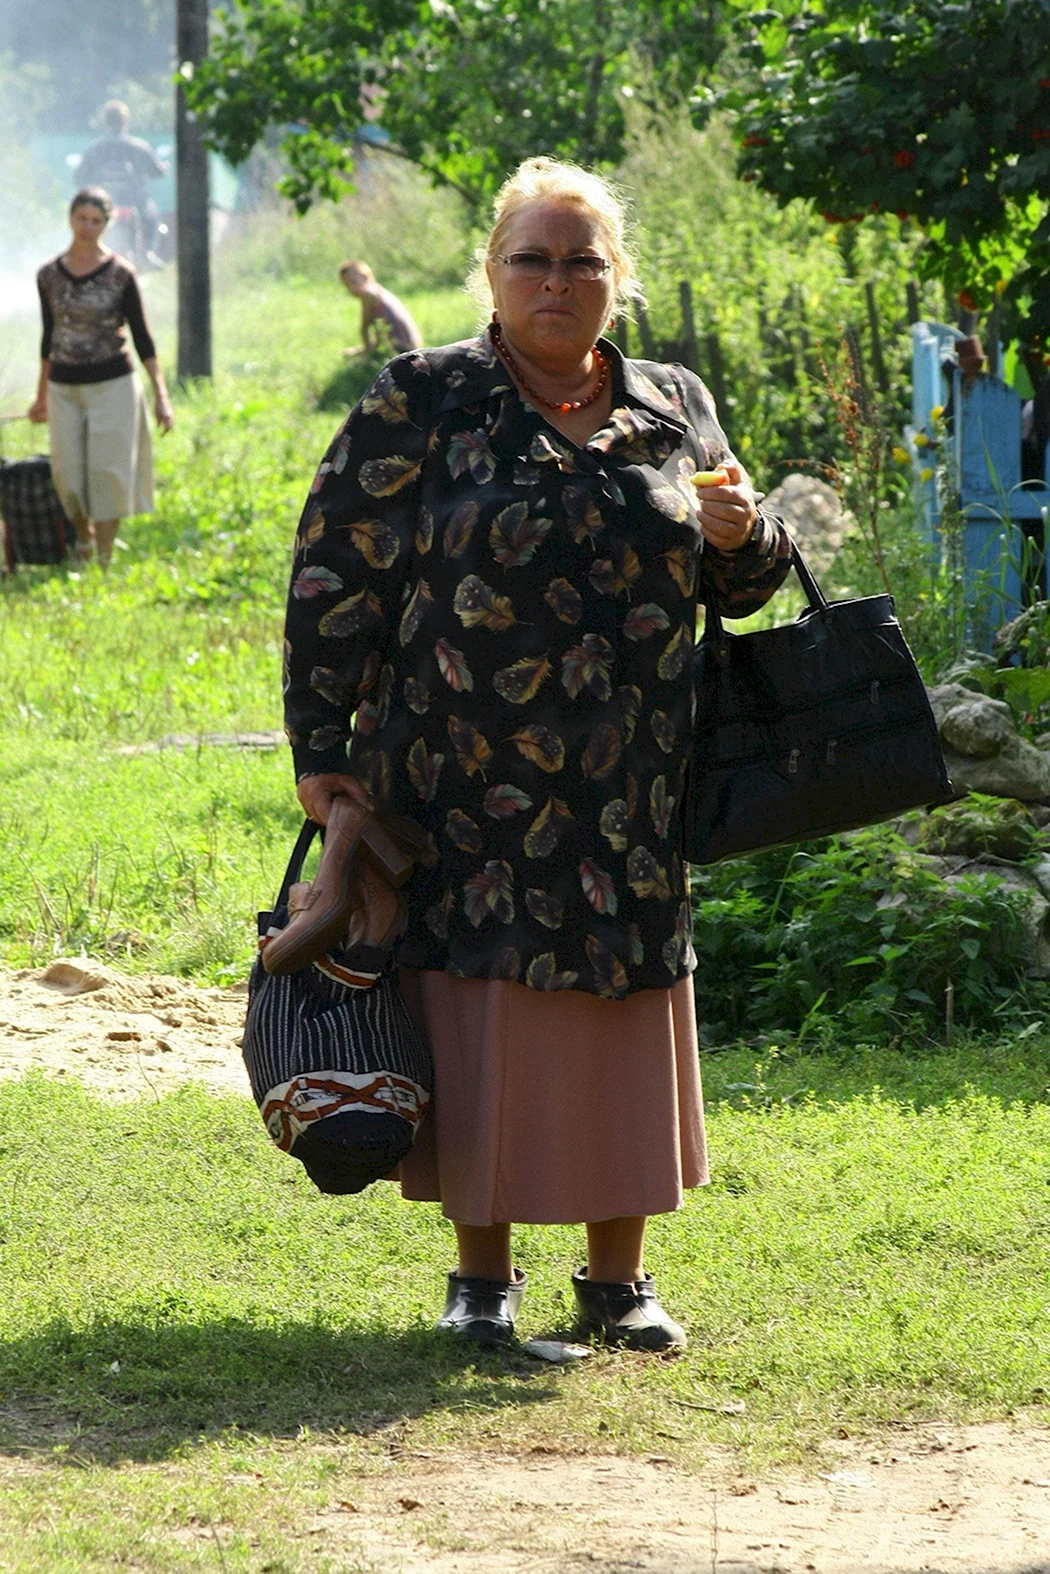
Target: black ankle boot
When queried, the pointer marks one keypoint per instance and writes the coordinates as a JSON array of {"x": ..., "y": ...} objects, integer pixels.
[
  {"x": 625, "y": 1314},
  {"x": 483, "y": 1310}
]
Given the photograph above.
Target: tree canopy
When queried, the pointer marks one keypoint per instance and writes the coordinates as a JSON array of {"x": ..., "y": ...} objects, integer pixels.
[
  {"x": 465, "y": 90},
  {"x": 938, "y": 112}
]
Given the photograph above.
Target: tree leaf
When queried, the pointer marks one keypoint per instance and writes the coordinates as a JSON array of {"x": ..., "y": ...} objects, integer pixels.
[
  {"x": 424, "y": 770},
  {"x": 521, "y": 681},
  {"x": 453, "y": 667},
  {"x": 540, "y": 746},
  {"x": 545, "y": 908},
  {"x": 475, "y": 603},
  {"x": 514, "y": 537},
  {"x": 316, "y": 581},
  {"x": 546, "y": 830},
  {"x": 473, "y": 750},
  {"x": 505, "y": 800},
  {"x": 598, "y": 887},
  {"x": 384, "y": 477},
  {"x": 602, "y": 753}
]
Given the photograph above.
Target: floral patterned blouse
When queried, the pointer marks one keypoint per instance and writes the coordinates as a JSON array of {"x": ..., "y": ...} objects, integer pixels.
[{"x": 500, "y": 623}]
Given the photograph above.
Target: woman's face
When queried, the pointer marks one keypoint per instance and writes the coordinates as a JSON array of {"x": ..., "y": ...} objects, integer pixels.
[
  {"x": 553, "y": 319},
  {"x": 87, "y": 222}
]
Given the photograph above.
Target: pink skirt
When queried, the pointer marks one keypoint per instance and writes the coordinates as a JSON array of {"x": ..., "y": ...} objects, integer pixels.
[{"x": 558, "y": 1108}]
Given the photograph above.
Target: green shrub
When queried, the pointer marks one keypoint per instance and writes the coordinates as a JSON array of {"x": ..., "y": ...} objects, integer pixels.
[{"x": 859, "y": 929}]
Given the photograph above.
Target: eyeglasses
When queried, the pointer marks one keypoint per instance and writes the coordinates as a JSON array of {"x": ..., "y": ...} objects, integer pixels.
[{"x": 582, "y": 268}]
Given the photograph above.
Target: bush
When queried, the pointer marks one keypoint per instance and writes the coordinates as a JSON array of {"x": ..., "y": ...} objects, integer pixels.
[{"x": 859, "y": 929}]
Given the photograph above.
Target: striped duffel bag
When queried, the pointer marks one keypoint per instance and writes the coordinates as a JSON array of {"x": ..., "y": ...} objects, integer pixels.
[{"x": 338, "y": 1068}]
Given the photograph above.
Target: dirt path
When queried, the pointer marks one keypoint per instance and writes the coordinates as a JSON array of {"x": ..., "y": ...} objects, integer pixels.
[{"x": 955, "y": 1500}]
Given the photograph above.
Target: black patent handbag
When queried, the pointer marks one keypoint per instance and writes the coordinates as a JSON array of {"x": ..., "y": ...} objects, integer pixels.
[{"x": 817, "y": 726}]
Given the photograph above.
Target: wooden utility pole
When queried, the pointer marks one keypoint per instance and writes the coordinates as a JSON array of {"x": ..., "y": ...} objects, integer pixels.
[{"x": 192, "y": 201}]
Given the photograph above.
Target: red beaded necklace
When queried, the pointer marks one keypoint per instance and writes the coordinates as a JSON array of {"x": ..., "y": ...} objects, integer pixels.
[{"x": 563, "y": 406}]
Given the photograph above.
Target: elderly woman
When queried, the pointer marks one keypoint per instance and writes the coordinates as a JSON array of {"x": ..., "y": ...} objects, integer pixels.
[
  {"x": 101, "y": 456},
  {"x": 494, "y": 599}
]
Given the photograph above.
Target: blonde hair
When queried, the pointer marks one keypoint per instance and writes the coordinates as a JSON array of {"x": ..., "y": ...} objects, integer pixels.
[
  {"x": 552, "y": 180},
  {"x": 362, "y": 270}
]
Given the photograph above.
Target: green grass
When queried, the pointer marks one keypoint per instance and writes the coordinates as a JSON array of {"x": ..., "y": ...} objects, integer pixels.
[{"x": 181, "y": 1309}]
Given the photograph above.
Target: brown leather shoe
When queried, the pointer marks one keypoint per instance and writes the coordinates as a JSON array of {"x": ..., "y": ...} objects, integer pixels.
[{"x": 322, "y": 913}]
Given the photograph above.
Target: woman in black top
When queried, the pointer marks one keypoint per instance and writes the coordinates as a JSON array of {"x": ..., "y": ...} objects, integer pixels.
[{"x": 101, "y": 455}]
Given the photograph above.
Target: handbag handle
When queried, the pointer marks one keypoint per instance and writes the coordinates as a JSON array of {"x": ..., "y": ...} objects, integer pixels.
[
  {"x": 713, "y": 629},
  {"x": 294, "y": 871}
]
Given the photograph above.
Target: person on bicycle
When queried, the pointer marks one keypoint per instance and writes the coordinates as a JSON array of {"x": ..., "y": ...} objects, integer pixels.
[{"x": 124, "y": 166}]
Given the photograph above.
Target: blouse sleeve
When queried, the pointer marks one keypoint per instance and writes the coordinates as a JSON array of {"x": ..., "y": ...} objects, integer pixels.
[
  {"x": 351, "y": 563},
  {"x": 135, "y": 316},
  {"x": 741, "y": 581},
  {"x": 48, "y": 317}
]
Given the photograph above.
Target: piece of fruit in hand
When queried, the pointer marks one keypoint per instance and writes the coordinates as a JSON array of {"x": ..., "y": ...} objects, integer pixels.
[{"x": 719, "y": 477}]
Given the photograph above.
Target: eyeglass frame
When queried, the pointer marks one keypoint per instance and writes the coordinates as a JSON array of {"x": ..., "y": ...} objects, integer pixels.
[{"x": 552, "y": 263}]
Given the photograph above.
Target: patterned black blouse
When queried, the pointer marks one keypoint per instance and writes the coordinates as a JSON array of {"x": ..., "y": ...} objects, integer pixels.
[{"x": 501, "y": 623}]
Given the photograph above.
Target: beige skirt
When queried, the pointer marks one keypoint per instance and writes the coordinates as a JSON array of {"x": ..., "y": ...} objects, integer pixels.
[
  {"x": 558, "y": 1108},
  {"x": 101, "y": 450}
]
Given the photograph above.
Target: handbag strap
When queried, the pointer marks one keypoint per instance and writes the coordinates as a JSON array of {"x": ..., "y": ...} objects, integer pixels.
[
  {"x": 713, "y": 629},
  {"x": 294, "y": 871}
]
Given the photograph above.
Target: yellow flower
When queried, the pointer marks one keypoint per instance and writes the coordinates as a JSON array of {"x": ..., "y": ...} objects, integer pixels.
[
  {"x": 1000, "y": 286},
  {"x": 902, "y": 456},
  {"x": 921, "y": 440},
  {"x": 925, "y": 474},
  {"x": 936, "y": 412}
]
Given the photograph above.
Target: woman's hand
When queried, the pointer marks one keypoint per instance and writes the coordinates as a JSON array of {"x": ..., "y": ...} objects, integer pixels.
[
  {"x": 315, "y": 793},
  {"x": 37, "y": 411},
  {"x": 728, "y": 514},
  {"x": 165, "y": 415}
]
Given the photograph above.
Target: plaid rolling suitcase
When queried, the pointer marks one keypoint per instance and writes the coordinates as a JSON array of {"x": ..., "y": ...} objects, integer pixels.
[{"x": 36, "y": 529}]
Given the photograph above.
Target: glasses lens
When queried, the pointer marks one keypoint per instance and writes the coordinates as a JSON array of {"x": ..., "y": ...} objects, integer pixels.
[
  {"x": 537, "y": 265},
  {"x": 584, "y": 267},
  {"x": 529, "y": 264}
]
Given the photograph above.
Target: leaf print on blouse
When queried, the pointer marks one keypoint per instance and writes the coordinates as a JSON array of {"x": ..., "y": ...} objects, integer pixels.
[
  {"x": 452, "y": 664},
  {"x": 546, "y": 830},
  {"x": 663, "y": 730},
  {"x": 420, "y": 602},
  {"x": 425, "y": 532},
  {"x": 543, "y": 973},
  {"x": 286, "y": 666},
  {"x": 514, "y": 537},
  {"x": 384, "y": 477},
  {"x": 598, "y": 887},
  {"x": 667, "y": 500},
  {"x": 417, "y": 696},
  {"x": 338, "y": 688},
  {"x": 676, "y": 650},
  {"x": 631, "y": 783},
  {"x": 644, "y": 620},
  {"x": 645, "y": 876},
  {"x": 636, "y": 952},
  {"x": 491, "y": 890},
  {"x": 460, "y": 528},
  {"x": 384, "y": 693},
  {"x": 583, "y": 514},
  {"x": 661, "y": 806},
  {"x": 678, "y": 952},
  {"x": 316, "y": 581},
  {"x": 613, "y": 823},
  {"x": 545, "y": 450},
  {"x": 380, "y": 777},
  {"x": 506, "y": 964},
  {"x": 424, "y": 770},
  {"x": 473, "y": 750},
  {"x": 629, "y": 699},
  {"x": 586, "y": 667},
  {"x": 564, "y": 601},
  {"x": 505, "y": 800},
  {"x": 545, "y": 908},
  {"x": 602, "y": 753},
  {"x": 521, "y": 681},
  {"x": 462, "y": 832},
  {"x": 681, "y": 565},
  {"x": 365, "y": 718},
  {"x": 540, "y": 746},
  {"x": 327, "y": 737},
  {"x": 436, "y": 917},
  {"x": 475, "y": 603},
  {"x": 614, "y": 576},
  {"x": 471, "y": 451},
  {"x": 610, "y": 978},
  {"x": 368, "y": 673},
  {"x": 349, "y": 617},
  {"x": 386, "y": 399}
]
